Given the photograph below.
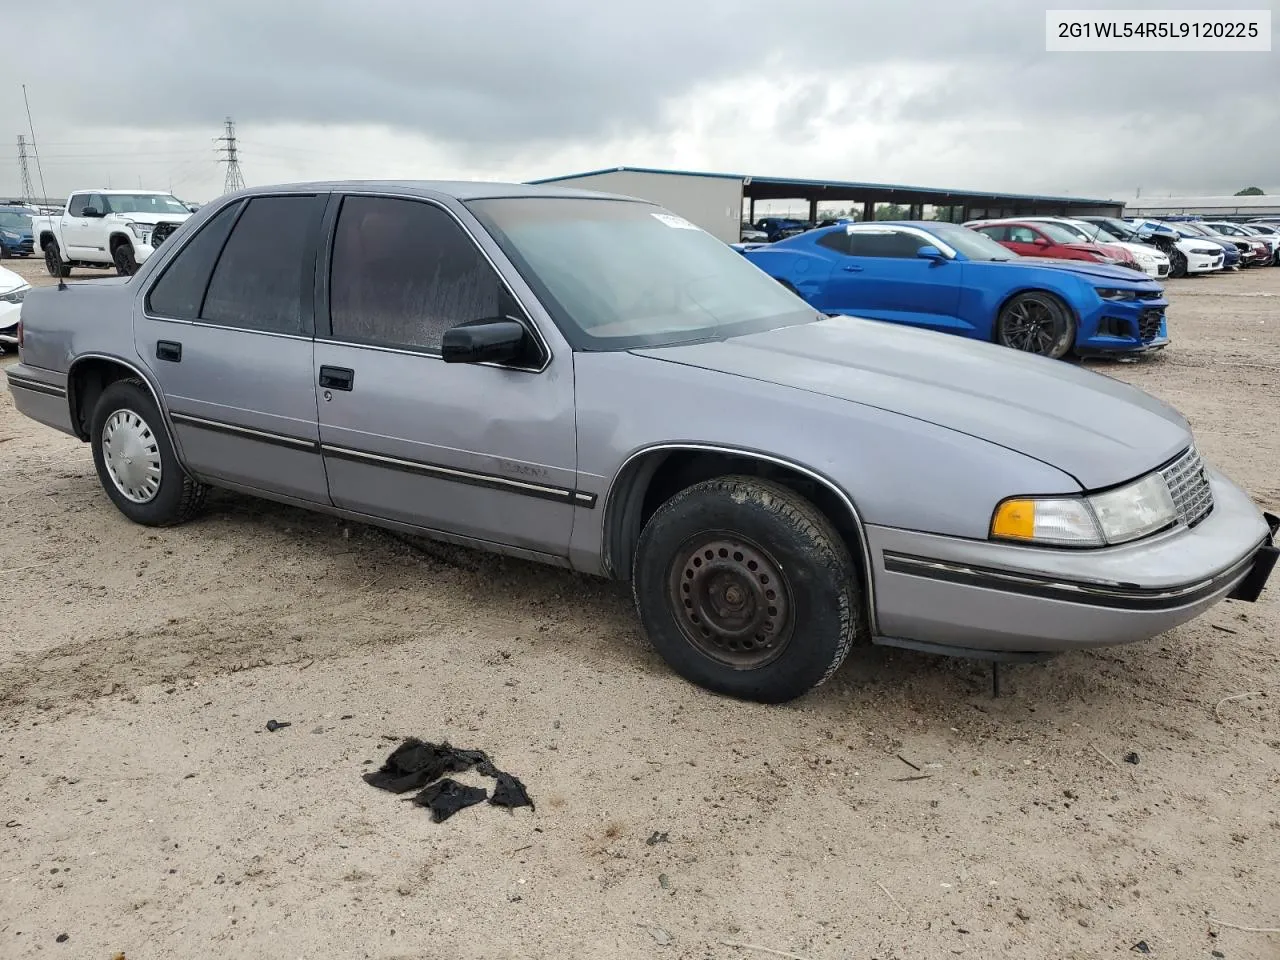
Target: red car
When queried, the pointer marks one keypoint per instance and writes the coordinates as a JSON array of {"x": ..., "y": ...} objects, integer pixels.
[{"x": 1040, "y": 239}]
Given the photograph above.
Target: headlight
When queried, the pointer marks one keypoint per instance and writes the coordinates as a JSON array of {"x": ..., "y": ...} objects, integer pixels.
[
  {"x": 1145, "y": 258},
  {"x": 1118, "y": 296},
  {"x": 16, "y": 296},
  {"x": 1116, "y": 516},
  {"x": 11, "y": 236},
  {"x": 141, "y": 230}
]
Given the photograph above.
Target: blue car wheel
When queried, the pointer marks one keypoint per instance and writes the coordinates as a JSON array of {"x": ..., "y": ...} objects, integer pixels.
[{"x": 1037, "y": 322}]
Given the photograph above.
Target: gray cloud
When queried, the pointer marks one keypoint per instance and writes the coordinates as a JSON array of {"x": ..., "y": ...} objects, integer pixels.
[{"x": 499, "y": 76}]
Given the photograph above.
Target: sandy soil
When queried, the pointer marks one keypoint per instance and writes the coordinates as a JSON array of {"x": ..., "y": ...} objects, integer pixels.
[{"x": 147, "y": 810}]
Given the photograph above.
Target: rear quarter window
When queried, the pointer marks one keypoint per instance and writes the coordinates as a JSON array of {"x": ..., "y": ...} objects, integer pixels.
[{"x": 179, "y": 293}]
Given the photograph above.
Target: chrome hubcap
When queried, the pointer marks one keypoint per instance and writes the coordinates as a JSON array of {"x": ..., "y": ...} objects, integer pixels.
[{"x": 131, "y": 455}]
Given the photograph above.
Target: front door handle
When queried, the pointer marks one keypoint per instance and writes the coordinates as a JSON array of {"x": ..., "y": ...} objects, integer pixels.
[
  {"x": 853, "y": 268},
  {"x": 169, "y": 350},
  {"x": 337, "y": 378}
]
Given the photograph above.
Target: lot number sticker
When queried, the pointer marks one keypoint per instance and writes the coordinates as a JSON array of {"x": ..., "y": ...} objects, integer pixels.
[{"x": 676, "y": 223}]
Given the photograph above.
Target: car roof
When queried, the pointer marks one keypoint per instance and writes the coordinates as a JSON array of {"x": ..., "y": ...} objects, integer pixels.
[{"x": 437, "y": 189}]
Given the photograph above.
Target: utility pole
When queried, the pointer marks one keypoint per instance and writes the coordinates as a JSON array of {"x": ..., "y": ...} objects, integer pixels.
[
  {"x": 228, "y": 154},
  {"x": 28, "y": 191}
]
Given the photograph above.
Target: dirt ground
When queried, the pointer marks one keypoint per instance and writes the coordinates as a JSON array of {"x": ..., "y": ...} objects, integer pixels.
[{"x": 898, "y": 812}]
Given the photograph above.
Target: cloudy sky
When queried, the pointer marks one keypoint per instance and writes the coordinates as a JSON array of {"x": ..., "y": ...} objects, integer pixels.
[{"x": 931, "y": 92}]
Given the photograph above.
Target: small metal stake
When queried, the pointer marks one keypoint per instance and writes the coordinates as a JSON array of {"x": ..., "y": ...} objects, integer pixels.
[{"x": 995, "y": 679}]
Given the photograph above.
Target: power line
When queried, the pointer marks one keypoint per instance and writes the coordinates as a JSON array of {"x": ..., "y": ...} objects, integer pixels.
[
  {"x": 235, "y": 180},
  {"x": 28, "y": 192}
]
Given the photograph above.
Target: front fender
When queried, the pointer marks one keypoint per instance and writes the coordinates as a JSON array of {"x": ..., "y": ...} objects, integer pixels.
[
  {"x": 807, "y": 273},
  {"x": 895, "y": 471}
]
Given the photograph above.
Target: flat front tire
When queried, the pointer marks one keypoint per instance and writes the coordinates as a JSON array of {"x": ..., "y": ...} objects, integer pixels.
[
  {"x": 135, "y": 460},
  {"x": 53, "y": 261},
  {"x": 746, "y": 589}
]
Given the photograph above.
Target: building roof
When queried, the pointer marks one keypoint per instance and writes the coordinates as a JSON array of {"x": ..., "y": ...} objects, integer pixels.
[
  {"x": 783, "y": 188},
  {"x": 1225, "y": 206}
]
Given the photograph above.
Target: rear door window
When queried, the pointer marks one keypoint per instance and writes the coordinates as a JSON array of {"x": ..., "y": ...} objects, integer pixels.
[
  {"x": 265, "y": 277},
  {"x": 179, "y": 293}
]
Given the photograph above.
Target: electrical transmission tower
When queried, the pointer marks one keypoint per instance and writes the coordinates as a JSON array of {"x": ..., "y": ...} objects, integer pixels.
[
  {"x": 28, "y": 191},
  {"x": 229, "y": 156}
]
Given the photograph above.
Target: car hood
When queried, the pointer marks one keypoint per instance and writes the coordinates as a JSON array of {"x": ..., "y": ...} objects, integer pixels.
[
  {"x": 1085, "y": 268},
  {"x": 152, "y": 218},
  {"x": 10, "y": 281},
  {"x": 1096, "y": 429}
]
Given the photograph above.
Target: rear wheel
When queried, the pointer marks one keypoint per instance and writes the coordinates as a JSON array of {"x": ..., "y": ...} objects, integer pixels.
[
  {"x": 1039, "y": 323},
  {"x": 53, "y": 261},
  {"x": 744, "y": 588},
  {"x": 135, "y": 460}
]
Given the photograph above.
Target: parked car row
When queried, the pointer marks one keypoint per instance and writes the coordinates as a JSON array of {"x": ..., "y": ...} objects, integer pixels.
[{"x": 976, "y": 283}]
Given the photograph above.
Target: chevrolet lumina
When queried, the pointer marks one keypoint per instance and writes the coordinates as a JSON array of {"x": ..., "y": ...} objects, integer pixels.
[{"x": 593, "y": 382}]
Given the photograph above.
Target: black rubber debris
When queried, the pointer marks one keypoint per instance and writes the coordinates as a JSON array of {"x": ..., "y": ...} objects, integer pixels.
[
  {"x": 1131, "y": 757},
  {"x": 510, "y": 792},
  {"x": 419, "y": 765},
  {"x": 1140, "y": 947},
  {"x": 414, "y": 764},
  {"x": 446, "y": 797},
  {"x": 274, "y": 725}
]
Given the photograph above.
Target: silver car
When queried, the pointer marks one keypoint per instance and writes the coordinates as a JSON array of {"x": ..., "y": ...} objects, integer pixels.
[{"x": 593, "y": 382}]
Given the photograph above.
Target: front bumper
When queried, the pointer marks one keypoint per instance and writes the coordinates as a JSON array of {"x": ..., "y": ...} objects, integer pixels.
[
  {"x": 1199, "y": 263},
  {"x": 18, "y": 248},
  {"x": 1135, "y": 326},
  {"x": 978, "y": 595}
]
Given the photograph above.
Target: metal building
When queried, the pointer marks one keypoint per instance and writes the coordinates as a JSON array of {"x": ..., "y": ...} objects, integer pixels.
[
  {"x": 721, "y": 202},
  {"x": 1234, "y": 208}
]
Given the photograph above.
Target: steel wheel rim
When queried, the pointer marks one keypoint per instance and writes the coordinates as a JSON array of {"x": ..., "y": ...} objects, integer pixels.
[
  {"x": 131, "y": 454},
  {"x": 731, "y": 600},
  {"x": 1032, "y": 325}
]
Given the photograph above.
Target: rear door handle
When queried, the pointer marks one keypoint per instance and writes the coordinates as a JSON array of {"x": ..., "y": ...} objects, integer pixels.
[
  {"x": 337, "y": 378},
  {"x": 853, "y": 268},
  {"x": 169, "y": 350}
]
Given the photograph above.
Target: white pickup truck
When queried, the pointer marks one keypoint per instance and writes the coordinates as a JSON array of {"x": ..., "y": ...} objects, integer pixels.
[{"x": 103, "y": 228}]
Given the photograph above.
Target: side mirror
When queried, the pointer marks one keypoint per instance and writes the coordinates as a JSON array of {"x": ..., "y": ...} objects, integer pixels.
[
  {"x": 90, "y": 212},
  {"x": 930, "y": 252},
  {"x": 193, "y": 207},
  {"x": 486, "y": 341},
  {"x": 1040, "y": 242}
]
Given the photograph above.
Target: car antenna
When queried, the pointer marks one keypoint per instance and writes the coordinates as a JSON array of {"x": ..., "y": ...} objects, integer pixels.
[{"x": 62, "y": 284}]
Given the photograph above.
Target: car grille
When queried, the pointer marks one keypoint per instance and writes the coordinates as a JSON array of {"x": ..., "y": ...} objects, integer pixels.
[
  {"x": 1149, "y": 324},
  {"x": 1150, "y": 294},
  {"x": 161, "y": 231},
  {"x": 1189, "y": 487},
  {"x": 1162, "y": 269}
]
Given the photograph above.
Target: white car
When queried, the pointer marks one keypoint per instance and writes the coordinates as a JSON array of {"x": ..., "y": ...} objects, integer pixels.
[
  {"x": 104, "y": 228},
  {"x": 13, "y": 290},
  {"x": 1201, "y": 255}
]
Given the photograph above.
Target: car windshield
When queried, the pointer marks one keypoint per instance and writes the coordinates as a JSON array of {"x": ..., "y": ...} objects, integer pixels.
[
  {"x": 1100, "y": 234},
  {"x": 974, "y": 245},
  {"x": 144, "y": 203},
  {"x": 1118, "y": 228},
  {"x": 1078, "y": 231},
  {"x": 1187, "y": 230},
  {"x": 14, "y": 221},
  {"x": 1058, "y": 233},
  {"x": 619, "y": 274}
]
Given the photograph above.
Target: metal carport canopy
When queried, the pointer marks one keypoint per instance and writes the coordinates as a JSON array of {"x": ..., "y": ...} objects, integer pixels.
[{"x": 816, "y": 191}]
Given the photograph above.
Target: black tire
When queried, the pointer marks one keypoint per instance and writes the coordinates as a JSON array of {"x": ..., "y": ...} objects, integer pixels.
[
  {"x": 1037, "y": 322},
  {"x": 771, "y": 613},
  {"x": 177, "y": 498},
  {"x": 124, "y": 259},
  {"x": 3, "y": 251},
  {"x": 1177, "y": 263},
  {"x": 53, "y": 261}
]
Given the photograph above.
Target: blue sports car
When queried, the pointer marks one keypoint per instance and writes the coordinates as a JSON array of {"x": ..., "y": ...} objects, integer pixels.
[{"x": 949, "y": 278}]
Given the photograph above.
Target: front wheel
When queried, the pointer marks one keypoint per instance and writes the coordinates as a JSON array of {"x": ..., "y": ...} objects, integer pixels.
[
  {"x": 1037, "y": 323},
  {"x": 1177, "y": 263},
  {"x": 135, "y": 460},
  {"x": 745, "y": 588},
  {"x": 53, "y": 261},
  {"x": 125, "y": 261}
]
